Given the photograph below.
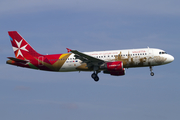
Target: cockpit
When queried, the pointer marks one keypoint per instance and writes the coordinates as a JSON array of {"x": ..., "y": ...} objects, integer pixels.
[{"x": 162, "y": 52}]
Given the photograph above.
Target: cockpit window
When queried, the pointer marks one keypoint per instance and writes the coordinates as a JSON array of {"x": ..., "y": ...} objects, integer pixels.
[{"x": 162, "y": 53}]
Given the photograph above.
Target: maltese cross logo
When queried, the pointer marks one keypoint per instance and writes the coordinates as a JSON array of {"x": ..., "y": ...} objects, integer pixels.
[{"x": 19, "y": 48}]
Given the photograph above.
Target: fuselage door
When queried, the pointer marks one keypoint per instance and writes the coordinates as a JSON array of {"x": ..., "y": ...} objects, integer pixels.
[
  {"x": 150, "y": 56},
  {"x": 40, "y": 60}
]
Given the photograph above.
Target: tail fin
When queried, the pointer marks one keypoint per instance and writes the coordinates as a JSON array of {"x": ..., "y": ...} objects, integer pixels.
[{"x": 22, "y": 49}]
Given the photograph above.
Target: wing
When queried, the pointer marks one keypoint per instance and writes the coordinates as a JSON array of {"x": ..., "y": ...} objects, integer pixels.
[{"x": 89, "y": 60}]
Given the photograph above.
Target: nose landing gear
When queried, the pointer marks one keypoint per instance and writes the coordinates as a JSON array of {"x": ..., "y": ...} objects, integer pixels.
[{"x": 152, "y": 74}]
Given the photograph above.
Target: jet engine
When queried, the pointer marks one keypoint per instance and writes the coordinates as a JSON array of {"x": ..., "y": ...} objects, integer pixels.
[{"x": 114, "y": 68}]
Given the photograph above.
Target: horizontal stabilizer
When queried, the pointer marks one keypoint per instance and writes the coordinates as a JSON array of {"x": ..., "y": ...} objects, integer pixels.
[{"x": 18, "y": 60}]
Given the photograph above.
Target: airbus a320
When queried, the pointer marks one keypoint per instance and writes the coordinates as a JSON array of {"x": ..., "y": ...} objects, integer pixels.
[{"x": 113, "y": 62}]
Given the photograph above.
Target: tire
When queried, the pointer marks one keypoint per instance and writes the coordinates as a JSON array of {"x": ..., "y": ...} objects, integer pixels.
[
  {"x": 96, "y": 79},
  {"x": 93, "y": 75},
  {"x": 152, "y": 74}
]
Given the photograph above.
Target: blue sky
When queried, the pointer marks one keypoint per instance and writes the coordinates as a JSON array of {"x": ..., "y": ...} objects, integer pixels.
[{"x": 51, "y": 26}]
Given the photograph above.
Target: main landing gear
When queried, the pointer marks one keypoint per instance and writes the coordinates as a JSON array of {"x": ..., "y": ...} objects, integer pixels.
[
  {"x": 95, "y": 76},
  {"x": 152, "y": 74}
]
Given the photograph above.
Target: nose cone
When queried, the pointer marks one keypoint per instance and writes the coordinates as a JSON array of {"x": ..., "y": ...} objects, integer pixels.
[{"x": 170, "y": 58}]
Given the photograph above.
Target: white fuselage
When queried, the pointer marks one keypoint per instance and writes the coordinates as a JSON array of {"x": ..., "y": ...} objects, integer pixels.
[{"x": 130, "y": 57}]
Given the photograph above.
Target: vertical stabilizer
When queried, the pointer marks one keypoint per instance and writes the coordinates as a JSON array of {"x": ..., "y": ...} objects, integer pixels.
[{"x": 22, "y": 49}]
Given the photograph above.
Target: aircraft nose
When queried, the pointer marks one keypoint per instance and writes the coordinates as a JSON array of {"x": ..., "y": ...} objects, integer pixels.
[{"x": 170, "y": 58}]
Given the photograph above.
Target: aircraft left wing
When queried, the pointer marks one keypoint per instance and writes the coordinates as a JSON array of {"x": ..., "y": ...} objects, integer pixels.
[{"x": 91, "y": 61}]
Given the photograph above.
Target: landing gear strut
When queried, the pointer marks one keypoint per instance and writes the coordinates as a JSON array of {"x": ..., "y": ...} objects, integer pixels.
[
  {"x": 95, "y": 76},
  {"x": 152, "y": 74}
]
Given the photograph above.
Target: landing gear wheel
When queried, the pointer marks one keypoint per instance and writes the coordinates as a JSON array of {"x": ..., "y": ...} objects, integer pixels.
[
  {"x": 96, "y": 78},
  {"x": 93, "y": 75},
  {"x": 152, "y": 74}
]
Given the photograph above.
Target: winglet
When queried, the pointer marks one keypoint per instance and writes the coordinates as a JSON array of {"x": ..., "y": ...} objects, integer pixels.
[{"x": 68, "y": 50}]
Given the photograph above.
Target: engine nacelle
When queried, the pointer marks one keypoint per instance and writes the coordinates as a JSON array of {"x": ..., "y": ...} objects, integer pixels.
[
  {"x": 114, "y": 68},
  {"x": 118, "y": 73},
  {"x": 115, "y": 73}
]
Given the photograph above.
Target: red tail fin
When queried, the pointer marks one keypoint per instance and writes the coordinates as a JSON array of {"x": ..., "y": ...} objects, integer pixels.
[{"x": 22, "y": 49}]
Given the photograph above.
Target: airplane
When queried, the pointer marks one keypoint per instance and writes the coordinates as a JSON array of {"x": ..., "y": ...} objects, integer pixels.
[{"x": 113, "y": 62}]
